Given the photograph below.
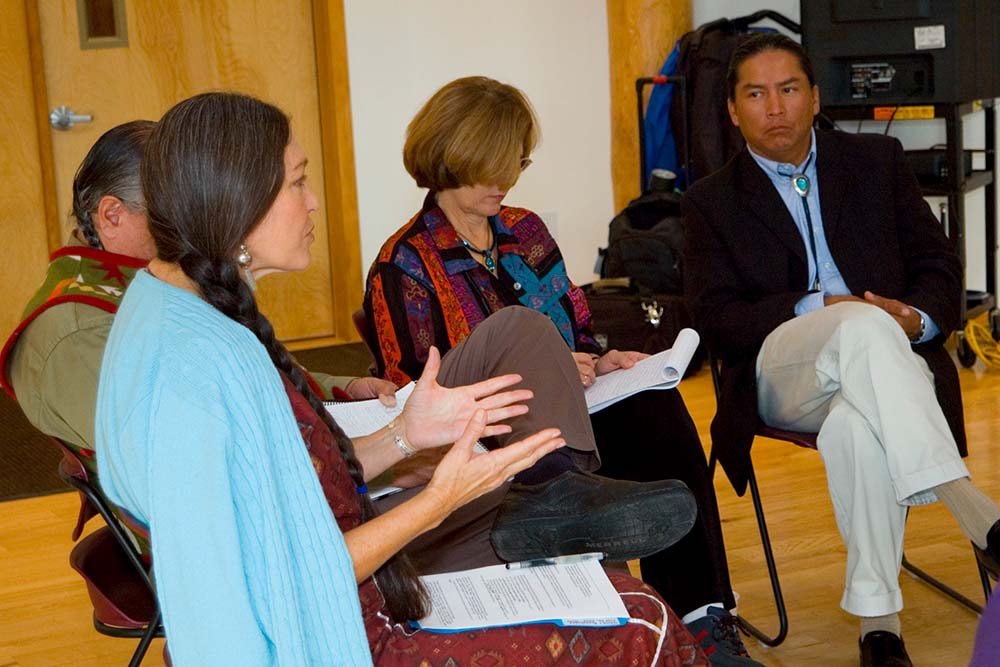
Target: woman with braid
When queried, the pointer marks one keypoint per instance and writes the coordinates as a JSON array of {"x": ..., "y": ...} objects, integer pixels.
[
  {"x": 51, "y": 361},
  {"x": 202, "y": 417}
]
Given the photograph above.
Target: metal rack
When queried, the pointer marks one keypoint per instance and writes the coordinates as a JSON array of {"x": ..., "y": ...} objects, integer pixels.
[{"x": 953, "y": 188}]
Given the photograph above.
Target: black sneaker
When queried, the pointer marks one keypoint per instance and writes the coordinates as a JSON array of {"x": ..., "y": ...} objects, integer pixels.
[
  {"x": 579, "y": 512},
  {"x": 719, "y": 637}
]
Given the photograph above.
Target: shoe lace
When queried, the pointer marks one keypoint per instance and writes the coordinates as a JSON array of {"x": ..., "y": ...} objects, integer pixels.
[{"x": 725, "y": 632}]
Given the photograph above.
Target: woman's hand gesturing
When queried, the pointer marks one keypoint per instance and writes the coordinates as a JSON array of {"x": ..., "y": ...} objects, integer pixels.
[
  {"x": 463, "y": 475},
  {"x": 436, "y": 415}
]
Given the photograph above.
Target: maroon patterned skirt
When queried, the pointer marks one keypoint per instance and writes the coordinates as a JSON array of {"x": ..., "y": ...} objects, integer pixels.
[{"x": 654, "y": 635}]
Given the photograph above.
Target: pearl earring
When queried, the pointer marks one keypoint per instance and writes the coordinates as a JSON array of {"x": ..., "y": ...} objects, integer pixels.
[{"x": 244, "y": 258}]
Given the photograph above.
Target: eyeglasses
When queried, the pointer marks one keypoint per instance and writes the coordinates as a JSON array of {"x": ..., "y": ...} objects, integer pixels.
[{"x": 525, "y": 163}]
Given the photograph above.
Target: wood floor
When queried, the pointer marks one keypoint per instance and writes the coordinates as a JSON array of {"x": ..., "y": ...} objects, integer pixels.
[{"x": 45, "y": 613}]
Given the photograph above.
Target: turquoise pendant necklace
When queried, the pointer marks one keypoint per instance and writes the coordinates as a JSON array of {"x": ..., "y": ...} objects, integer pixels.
[{"x": 486, "y": 253}]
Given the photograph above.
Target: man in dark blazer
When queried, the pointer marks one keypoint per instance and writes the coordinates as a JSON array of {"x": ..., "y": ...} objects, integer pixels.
[{"x": 822, "y": 281}]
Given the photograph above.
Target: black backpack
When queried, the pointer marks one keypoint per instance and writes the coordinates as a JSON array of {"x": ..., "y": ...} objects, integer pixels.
[
  {"x": 645, "y": 243},
  {"x": 703, "y": 60}
]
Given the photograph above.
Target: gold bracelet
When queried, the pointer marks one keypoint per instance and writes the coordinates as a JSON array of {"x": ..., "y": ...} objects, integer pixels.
[{"x": 401, "y": 444}]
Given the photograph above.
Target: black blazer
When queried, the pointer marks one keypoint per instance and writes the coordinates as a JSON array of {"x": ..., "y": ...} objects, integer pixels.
[{"x": 745, "y": 268}]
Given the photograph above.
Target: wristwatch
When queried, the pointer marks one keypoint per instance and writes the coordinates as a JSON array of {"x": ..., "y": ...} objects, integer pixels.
[{"x": 923, "y": 328}]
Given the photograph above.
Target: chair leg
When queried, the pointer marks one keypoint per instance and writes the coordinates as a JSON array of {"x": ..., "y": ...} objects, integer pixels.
[
  {"x": 984, "y": 577},
  {"x": 945, "y": 588},
  {"x": 772, "y": 570},
  {"x": 145, "y": 641}
]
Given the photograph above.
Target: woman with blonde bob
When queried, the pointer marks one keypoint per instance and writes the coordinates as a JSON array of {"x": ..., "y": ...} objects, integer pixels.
[
  {"x": 266, "y": 546},
  {"x": 465, "y": 256}
]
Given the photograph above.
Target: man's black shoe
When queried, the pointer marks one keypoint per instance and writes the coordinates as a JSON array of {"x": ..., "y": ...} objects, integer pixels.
[
  {"x": 579, "y": 512},
  {"x": 990, "y": 556},
  {"x": 883, "y": 649}
]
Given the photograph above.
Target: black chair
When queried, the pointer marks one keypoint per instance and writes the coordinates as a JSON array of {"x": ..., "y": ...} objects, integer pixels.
[
  {"x": 808, "y": 441},
  {"x": 364, "y": 329},
  {"x": 118, "y": 580}
]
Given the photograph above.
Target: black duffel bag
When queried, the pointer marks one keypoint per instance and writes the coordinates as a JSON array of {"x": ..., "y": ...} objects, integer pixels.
[{"x": 626, "y": 317}]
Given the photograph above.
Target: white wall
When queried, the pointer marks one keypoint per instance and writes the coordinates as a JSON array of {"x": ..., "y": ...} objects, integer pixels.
[
  {"x": 556, "y": 51},
  {"x": 709, "y": 10},
  {"x": 912, "y": 134}
]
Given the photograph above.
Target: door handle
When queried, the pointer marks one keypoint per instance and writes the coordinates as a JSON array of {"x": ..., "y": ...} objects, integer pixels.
[{"x": 63, "y": 118}]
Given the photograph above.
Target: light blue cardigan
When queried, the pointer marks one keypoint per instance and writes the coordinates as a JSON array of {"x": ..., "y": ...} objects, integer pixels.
[{"x": 196, "y": 438}]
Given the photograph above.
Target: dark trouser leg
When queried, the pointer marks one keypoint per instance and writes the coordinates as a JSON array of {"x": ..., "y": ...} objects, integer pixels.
[
  {"x": 461, "y": 542},
  {"x": 514, "y": 340},
  {"x": 650, "y": 436},
  {"x": 520, "y": 340}
]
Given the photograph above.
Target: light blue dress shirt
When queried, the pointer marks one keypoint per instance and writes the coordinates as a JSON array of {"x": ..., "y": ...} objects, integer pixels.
[{"x": 824, "y": 276}]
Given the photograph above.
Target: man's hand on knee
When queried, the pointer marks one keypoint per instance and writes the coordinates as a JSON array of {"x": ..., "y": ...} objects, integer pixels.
[
  {"x": 907, "y": 317},
  {"x": 831, "y": 300}
]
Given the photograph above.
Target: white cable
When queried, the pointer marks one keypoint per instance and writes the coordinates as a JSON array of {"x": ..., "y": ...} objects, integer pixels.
[{"x": 661, "y": 631}]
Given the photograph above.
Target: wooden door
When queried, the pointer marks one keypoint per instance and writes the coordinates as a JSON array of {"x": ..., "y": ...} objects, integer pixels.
[
  {"x": 22, "y": 216},
  {"x": 177, "y": 48}
]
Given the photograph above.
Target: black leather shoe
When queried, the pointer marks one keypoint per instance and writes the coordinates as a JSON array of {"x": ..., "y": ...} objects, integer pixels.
[
  {"x": 578, "y": 512},
  {"x": 990, "y": 556},
  {"x": 883, "y": 649}
]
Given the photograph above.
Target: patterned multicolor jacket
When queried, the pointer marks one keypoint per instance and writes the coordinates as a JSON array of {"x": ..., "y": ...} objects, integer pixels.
[{"x": 426, "y": 289}]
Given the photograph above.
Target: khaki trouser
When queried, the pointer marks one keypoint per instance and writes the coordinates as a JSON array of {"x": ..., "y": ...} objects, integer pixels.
[{"x": 848, "y": 372}]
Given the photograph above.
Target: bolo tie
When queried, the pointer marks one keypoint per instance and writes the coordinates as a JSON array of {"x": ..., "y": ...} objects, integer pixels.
[{"x": 801, "y": 184}]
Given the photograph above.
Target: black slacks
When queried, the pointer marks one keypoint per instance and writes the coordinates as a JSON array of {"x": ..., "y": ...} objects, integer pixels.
[
  {"x": 646, "y": 437},
  {"x": 651, "y": 436}
]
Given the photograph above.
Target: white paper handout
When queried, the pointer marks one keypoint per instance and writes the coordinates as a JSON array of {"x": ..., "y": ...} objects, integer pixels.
[
  {"x": 574, "y": 593},
  {"x": 663, "y": 370},
  {"x": 358, "y": 418}
]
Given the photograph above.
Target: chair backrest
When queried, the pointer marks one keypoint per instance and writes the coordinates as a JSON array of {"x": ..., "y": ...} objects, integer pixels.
[
  {"x": 93, "y": 501},
  {"x": 118, "y": 521},
  {"x": 364, "y": 330},
  {"x": 368, "y": 335},
  {"x": 117, "y": 574},
  {"x": 70, "y": 466}
]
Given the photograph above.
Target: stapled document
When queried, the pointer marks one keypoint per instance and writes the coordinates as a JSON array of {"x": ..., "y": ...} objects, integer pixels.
[{"x": 564, "y": 590}]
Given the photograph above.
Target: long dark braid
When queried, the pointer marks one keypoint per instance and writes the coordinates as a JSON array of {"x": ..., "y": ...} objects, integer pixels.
[
  {"x": 212, "y": 169},
  {"x": 110, "y": 168}
]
